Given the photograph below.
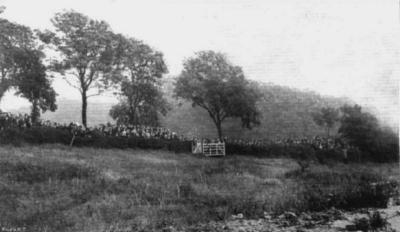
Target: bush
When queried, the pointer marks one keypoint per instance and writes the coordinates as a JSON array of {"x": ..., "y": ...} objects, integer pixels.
[
  {"x": 322, "y": 190},
  {"x": 329, "y": 156},
  {"x": 376, "y": 221},
  {"x": 384, "y": 151},
  {"x": 362, "y": 130},
  {"x": 10, "y": 136},
  {"x": 372, "y": 223}
]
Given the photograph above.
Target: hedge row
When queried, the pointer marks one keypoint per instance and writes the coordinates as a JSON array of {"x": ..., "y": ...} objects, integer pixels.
[
  {"x": 41, "y": 135},
  {"x": 387, "y": 153}
]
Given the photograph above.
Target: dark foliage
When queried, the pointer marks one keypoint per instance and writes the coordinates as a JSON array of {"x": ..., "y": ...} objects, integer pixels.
[
  {"x": 211, "y": 82},
  {"x": 42, "y": 135},
  {"x": 141, "y": 69},
  {"x": 88, "y": 52},
  {"x": 301, "y": 152},
  {"x": 372, "y": 223},
  {"x": 350, "y": 190},
  {"x": 330, "y": 155},
  {"x": 326, "y": 117},
  {"x": 362, "y": 130},
  {"x": 33, "y": 84}
]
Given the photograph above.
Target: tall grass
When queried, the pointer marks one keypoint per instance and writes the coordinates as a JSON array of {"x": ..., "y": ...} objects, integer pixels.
[{"x": 55, "y": 188}]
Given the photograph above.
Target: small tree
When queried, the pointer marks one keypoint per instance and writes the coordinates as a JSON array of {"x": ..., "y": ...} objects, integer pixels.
[
  {"x": 32, "y": 83},
  {"x": 145, "y": 114},
  {"x": 86, "y": 53},
  {"x": 208, "y": 80},
  {"x": 140, "y": 69},
  {"x": 327, "y": 117},
  {"x": 358, "y": 127},
  {"x": 362, "y": 130}
]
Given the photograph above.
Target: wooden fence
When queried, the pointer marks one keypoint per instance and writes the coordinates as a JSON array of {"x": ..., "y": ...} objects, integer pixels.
[{"x": 209, "y": 149}]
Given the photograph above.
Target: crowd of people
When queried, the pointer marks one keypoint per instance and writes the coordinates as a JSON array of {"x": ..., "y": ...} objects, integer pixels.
[
  {"x": 126, "y": 131},
  {"x": 318, "y": 142},
  {"x": 8, "y": 120}
]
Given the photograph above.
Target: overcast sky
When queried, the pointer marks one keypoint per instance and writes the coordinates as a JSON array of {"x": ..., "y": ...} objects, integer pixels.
[{"x": 339, "y": 48}]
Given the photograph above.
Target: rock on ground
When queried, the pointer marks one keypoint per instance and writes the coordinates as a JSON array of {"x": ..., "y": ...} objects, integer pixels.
[{"x": 329, "y": 221}]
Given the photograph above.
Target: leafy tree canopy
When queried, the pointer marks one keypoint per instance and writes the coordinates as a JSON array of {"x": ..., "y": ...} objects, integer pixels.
[
  {"x": 208, "y": 80},
  {"x": 33, "y": 84},
  {"x": 87, "y": 52},
  {"x": 14, "y": 40},
  {"x": 140, "y": 69},
  {"x": 362, "y": 130},
  {"x": 327, "y": 117}
]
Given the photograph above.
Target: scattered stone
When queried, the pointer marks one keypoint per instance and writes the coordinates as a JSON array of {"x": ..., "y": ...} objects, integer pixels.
[
  {"x": 340, "y": 224},
  {"x": 267, "y": 216},
  {"x": 272, "y": 181},
  {"x": 306, "y": 216},
  {"x": 238, "y": 216},
  {"x": 300, "y": 230},
  {"x": 305, "y": 222},
  {"x": 291, "y": 218},
  {"x": 351, "y": 227}
]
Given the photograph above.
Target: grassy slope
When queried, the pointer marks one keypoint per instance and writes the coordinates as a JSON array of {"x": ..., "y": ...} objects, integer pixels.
[{"x": 87, "y": 189}]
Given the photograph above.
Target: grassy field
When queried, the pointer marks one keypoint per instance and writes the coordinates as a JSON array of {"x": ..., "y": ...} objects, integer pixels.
[{"x": 55, "y": 188}]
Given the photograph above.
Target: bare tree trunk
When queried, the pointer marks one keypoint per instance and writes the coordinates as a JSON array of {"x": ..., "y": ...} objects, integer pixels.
[
  {"x": 132, "y": 115},
  {"x": 219, "y": 129},
  {"x": 218, "y": 123},
  {"x": 84, "y": 108},
  {"x": 35, "y": 112}
]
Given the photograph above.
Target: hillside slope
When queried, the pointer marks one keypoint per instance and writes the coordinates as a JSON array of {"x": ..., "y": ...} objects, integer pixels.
[{"x": 285, "y": 112}]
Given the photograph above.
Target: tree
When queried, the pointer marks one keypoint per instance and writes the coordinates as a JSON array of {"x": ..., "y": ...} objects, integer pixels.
[
  {"x": 145, "y": 114},
  {"x": 361, "y": 129},
  {"x": 357, "y": 127},
  {"x": 208, "y": 80},
  {"x": 33, "y": 84},
  {"x": 87, "y": 50},
  {"x": 327, "y": 118},
  {"x": 141, "y": 69},
  {"x": 14, "y": 39}
]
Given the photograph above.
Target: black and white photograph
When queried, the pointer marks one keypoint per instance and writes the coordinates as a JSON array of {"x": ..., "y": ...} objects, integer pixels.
[{"x": 199, "y": 115}]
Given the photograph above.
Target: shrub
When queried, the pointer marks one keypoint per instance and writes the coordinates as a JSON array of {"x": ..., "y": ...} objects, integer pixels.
[
  {"x": 325, "y": 189},
  {"x": 10, "y": 136},
  {"x": 372, "y": 223},
  {"x": 328, "y": 156},
  {"x": 354, "y": 155}
]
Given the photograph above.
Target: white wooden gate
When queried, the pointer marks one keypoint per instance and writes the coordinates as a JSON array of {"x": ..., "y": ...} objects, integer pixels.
[
  {"x": 208, "y": 149},
  {"x": 214, "y": 149}
]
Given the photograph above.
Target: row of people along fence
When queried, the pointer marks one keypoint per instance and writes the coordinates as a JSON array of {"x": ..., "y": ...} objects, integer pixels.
[{"x": 22, "y": 122}]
